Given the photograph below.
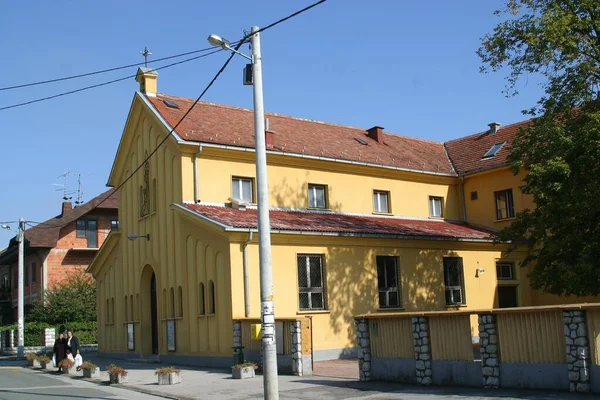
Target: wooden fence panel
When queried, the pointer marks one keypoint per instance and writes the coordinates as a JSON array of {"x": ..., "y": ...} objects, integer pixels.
[
  {"x": 391, "y": 338},
  {"x": 451, "y": 337}
]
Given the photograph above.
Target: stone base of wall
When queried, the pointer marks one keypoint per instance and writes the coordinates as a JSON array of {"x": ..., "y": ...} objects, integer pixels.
[
  {"x": 85, "y": 348},
  {"x": 534, "y": 376},
  {"x": 394, "y": 369},
  {"x": 456, "y": 373}
]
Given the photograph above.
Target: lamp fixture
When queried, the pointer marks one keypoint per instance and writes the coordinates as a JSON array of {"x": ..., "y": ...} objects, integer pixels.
[
  {"x": 133, "y": 236},
  {"x": 218, "y": 41},
  {"x": 4, "y": 226}
]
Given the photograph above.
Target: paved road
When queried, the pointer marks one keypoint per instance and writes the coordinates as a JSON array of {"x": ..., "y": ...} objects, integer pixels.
[{"x": 18, "y": 383}]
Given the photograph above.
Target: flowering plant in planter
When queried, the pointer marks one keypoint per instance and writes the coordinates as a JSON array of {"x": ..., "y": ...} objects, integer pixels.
[
  {"x": 168, "y": 375},
  {"x": 66, "y": 365},
  {"x": 244, "y": 370},
  {"x": 44, "y": 361},
  {"x": 89, "y": 369},
  {"x": 117, "y": 374},
  {"x": 31, "y": 359}
]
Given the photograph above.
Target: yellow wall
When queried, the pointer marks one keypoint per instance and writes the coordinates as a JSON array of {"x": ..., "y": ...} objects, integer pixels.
[
  {"x": 482, "y": 211},
  {"x": 351, "y": 279},
  {"x": 350, "y": 188},
  {"x": 179, "y": 252}
]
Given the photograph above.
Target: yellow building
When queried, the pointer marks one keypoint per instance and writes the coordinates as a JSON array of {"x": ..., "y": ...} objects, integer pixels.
[{"x": 362, "y": 222}]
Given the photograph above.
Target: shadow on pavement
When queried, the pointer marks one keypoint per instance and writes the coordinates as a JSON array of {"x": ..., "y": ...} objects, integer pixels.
[{"x": 399, "y": 388}]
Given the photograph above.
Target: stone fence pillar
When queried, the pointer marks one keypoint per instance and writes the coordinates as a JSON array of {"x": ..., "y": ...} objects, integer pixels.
[
  {"x": 490, "y": 360},
  {"x": 363, "y": 343},
  {"x": 11, "y": 340},
  {"x": 296, "y": 333},
  {"x": 420, "y": 327},
  {"x": 49, "y": 337},
  {"x": 237, "y": 342},
  {"x": 576, "y": 339}
]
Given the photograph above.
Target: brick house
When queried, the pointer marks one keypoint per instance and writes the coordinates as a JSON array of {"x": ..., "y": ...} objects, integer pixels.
[{"x": 58, "y": 247}]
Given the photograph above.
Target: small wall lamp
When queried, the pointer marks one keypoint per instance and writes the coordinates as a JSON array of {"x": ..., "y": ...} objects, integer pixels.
[{"x": 133, "y": 236}]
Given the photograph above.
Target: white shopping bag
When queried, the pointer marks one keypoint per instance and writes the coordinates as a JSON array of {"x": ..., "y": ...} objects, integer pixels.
[
  {"x": 54, "y": 360},
  {"x": 78, "y": 360}
]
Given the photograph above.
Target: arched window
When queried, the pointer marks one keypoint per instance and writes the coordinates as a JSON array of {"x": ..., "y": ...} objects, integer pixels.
[
  {"x": 131, "y": 308},
  {"x": 211, "y": 297},
  {"x": 107, "y": 312},
  {"x": 112, "y": 309},
  {"x": 180, "y": 302},
  {"x": 153, "y": 197},
  {"x": 202, "y": 309},
  {"x": 126, "y": 311},
  {"x": 172, "y": 303},
  {"x": 165, "y": 310},
  {"x": 137, "y": 304}
]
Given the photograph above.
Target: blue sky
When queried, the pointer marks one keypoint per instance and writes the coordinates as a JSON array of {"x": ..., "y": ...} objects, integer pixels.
[{"x": 408, "y": 66}]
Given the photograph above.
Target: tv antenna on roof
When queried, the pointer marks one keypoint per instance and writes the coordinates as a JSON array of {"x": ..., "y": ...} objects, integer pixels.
[
  {"x": 63, "y": 186},
  {"x": 79, "y": 191}
]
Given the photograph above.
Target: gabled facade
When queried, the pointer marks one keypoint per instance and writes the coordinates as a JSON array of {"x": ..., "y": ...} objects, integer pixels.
[
  {"x": 59, "y": 247},
  {"x": 362, "y": 222}
]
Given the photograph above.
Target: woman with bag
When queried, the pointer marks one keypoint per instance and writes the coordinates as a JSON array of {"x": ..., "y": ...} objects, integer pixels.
[
  {"x": 60, "y": 350},
  {"x": 73, "y": 348}
]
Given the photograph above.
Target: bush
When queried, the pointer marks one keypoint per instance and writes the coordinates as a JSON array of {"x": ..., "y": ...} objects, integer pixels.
[
  {"x": 88, "y": 365},
  {"x": 166, "y": 370},
  {"x": 85, "y": 331},
  {"x": 34, "y": 332},
  {"x": 116, "y": 370}
]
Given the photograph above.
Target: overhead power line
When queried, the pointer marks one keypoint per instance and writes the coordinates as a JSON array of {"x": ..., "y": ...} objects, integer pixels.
[
  {"x": 237, "y": 47},
  {"x": 102, "y": 71},
  {"x": 104, "y": 83}
]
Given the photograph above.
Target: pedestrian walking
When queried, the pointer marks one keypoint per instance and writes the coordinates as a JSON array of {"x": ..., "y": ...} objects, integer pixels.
[{"x": 60, "y": 350}]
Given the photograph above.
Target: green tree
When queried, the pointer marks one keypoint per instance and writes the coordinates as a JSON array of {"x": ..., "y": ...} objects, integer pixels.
[
  {"x": 560, "y": 149},
  {"x": 74, "y": 300}
]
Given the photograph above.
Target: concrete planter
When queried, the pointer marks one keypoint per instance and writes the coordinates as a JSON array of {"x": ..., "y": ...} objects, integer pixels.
[
  {"x": 169, "y": 379},
  {"x": 67, "y": 371},
  {"x": 33, "y": 363},
  {"x": 90, "y": 373},
  {"x": 118, "y": 379},
  {"x": 242, "y": 373},
  {"x": 46, "y": 365}
]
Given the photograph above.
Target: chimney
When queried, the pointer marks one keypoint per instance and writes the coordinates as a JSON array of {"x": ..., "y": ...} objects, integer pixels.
[
  {"x": 66, "y": 206},
  {"x": 376, "y": 133},
  {"x": 269, "y": 135},
  {"x": 147, "y": 79},
  {"x": 494, "y": 126}
]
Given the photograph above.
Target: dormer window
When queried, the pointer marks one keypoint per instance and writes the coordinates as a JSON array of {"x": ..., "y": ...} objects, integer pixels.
[{"x": 495, "y": 149}]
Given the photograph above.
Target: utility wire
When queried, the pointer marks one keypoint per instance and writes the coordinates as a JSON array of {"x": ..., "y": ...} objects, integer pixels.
[
  {"x": 102, "y": 71},
  {"x": 104, "y": 83},
  {"x": 237, "y": 47}
]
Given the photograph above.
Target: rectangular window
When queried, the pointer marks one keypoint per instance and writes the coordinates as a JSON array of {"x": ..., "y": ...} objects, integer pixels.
[
  {"x": 5, "y": 282},
  {"x": 311, "y": 290},
  {"x": 33, "y": 272},
  {"x": 504, "y": 204},
  {"x": 92, "y": 233},
  {"x": 507, "y": 296},
  {"x": 114, "y": 225},
  {"x": 81, "y": 227},
  {"x": 505, "y": 270},
  {"x": 317, "y": 196},
  {"x": 241, "y": 189},
  {"x": 381, "y": 201},
  {"x": 454, "y": 281},
  {"x": 435, "y": 206},
  {"x": 388, "y": 281}
]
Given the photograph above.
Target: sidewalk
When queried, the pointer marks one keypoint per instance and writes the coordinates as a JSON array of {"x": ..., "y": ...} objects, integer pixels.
[{"x": 217, "y": 383}]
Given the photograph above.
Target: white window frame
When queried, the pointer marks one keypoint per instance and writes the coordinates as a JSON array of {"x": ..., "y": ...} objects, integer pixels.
[
  {"x": 312, "y": 196},
  {"x": 510, "y": 204},
  {"x": 395, "y": 287},
  {"x": 460, "y": 289},
  {"x": 511, "y": 265},
  {"x": 432, "y": 200},
  {"x": 381, "y": 197},
  {"x": 238, "y": 180}
]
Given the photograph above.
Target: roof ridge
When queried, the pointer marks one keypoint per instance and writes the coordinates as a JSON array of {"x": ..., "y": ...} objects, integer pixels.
[{"x": 269, "y": 113}]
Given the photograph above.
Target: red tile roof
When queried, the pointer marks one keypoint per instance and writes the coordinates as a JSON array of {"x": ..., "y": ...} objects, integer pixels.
[
  {"x": 467, "y": 153},
  {"x": 322, "y": 222},
  {"x": 219, "y": 124},
  {"x": 47, "y": 233}
]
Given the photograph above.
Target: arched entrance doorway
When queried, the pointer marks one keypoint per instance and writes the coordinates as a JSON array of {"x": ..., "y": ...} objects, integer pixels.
[
  {"x": 149, "y": 332},
  {"x": 154, "y": 314}
]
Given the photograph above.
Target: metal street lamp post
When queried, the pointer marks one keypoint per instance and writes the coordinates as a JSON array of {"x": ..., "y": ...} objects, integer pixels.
[{"x": 271, "y": 390}]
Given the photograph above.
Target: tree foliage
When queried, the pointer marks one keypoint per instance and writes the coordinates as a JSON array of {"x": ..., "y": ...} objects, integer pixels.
[
  {"x": 560, "y": 150},
  {"x": 74, "y": 300}
]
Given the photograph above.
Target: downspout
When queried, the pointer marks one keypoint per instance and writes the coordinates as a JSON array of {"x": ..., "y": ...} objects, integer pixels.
[
  {"x": 246, "y": 275},
  {"x": 196, "y": 186},
  {"x": 464, "y": 200}
]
